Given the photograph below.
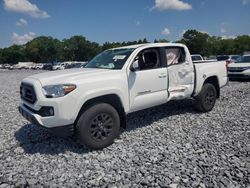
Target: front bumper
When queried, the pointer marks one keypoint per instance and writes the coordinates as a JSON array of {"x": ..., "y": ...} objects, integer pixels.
[
  {"x": 230, "y": 75},
  {"x": 61, "y": 131}
]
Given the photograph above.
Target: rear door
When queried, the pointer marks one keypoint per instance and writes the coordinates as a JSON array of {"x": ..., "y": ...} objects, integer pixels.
[
  {"x": 148, "y": 83},
  {"x": 180, "y": 72}
]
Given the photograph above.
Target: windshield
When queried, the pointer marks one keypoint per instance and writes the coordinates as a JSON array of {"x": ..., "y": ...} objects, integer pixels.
[
  {"x": 222, "y": 58},
  {"x": 77, "y": 65},
  {"x": 235, "y": 57},
  {"x": 110, "y": 59},
  {"x": 243, "y": 59}
]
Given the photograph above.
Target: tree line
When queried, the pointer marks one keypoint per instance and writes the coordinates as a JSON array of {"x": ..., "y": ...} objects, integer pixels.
[{"x": 45, "y": 49}]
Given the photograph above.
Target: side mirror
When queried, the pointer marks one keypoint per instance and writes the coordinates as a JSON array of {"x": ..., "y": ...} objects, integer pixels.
[{"x": 134, "y": 66}]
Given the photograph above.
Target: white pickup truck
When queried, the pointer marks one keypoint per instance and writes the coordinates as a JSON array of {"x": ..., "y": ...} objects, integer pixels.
[{"x": 93, "y": 102}]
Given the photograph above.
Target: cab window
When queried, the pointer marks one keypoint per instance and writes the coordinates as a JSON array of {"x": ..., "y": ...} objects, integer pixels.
[
  {"x": 148, "y": 59},
  {"x": 175, "y": 55}
]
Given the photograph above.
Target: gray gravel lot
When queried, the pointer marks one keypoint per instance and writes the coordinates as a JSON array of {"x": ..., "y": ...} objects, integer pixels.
[{"x": 167, "y": 146}]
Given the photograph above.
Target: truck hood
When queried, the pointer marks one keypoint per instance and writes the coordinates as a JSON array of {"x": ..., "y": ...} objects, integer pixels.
[{"x": 68, "y": 75}]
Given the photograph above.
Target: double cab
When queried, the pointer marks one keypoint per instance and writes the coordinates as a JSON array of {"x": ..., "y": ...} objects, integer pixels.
[{"x": 93, "y": 102}]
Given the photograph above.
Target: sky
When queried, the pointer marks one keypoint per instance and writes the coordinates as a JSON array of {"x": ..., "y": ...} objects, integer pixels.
[{"x": 120, "y": 20}]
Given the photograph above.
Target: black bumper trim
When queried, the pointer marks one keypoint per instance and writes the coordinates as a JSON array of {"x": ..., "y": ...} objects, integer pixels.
[
  {"x": 28, "y": 116},
  {"x": 60, "y": 131},
  {"x": 238, "y": 76}
]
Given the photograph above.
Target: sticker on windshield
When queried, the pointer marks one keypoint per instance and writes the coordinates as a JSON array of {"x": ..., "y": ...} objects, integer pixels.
[{"x": 119, "y": 57}]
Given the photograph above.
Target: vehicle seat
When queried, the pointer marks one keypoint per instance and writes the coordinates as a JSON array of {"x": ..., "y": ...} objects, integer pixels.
[
  {"x": 141, "y": 63},
  {"x": 150, "y": 59}
]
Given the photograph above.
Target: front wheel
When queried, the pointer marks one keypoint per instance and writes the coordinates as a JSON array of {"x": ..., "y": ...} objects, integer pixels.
[
  {"x": 98, "y": 126},
  {"x": 206, "y": 99}
]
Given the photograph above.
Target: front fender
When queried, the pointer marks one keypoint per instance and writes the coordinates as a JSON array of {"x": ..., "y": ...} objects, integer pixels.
[{"x": 88, "y": 95}]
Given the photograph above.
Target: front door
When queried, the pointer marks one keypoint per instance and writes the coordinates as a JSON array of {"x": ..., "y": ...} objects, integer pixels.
[{"x": 148, "y": 83}]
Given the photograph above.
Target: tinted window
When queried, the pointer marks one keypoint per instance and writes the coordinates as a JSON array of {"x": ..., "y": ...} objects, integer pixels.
[
  {"x": 235, "y": 57},
  {"x": 222, "y": 58},
  {"x": 244, "y": 59}
]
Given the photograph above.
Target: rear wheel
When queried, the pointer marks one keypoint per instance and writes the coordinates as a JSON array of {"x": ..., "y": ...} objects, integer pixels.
[
  {"x": 98, "y": 126},
  {"x": 206, "y": 99}
]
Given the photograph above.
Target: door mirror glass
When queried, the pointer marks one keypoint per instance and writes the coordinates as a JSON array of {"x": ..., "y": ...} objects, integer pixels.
[{"x": 135, "y": 66}]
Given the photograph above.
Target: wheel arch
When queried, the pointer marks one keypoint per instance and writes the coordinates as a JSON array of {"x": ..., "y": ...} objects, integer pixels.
[
  {"x": 215, "y": 82},
  {"x": 112, "y": 99}
]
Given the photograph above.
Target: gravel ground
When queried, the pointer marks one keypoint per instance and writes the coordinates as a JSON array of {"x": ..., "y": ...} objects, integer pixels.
[{"x": 167, "y": 146}]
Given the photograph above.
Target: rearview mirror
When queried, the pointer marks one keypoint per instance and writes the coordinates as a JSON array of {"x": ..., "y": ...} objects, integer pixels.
[{"x": 134, "y": 66}]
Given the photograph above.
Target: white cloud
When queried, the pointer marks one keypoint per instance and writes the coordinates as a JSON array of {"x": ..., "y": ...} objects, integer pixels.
[
  {"x": 228, "y": 37},
  {"x": 203, "y": 31},
  {"x": 166, "y": 32},
  {"x": 244, "y": 2},
  {"x": 171, "y": 5},
  {"x": 224, "y": 27},
  {"x": 21, "y": 22},
  {"x": 137, "y": 23},
  {"x": 24, "y": 6},
  {"x": 223, "y": 30},
  {"x": 22, "y": 39},
  {"x": 182, "y": 33}
]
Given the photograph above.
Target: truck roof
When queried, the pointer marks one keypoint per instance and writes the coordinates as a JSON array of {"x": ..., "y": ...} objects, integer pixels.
[{"x": 152, "y": 45}]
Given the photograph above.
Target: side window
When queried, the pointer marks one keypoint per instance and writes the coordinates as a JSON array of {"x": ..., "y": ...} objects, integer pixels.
[
  {"x": 148, "y": 59},
  {"x": 175, "y": 55}
]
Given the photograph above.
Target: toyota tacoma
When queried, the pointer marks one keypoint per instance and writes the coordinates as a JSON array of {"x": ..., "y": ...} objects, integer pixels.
[{"x": 93, "y": 102}]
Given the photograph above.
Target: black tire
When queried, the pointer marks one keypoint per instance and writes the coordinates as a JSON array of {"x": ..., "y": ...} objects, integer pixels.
[
  {"x": 206, "y": 99},
  {"x": 98, "y": 126}
]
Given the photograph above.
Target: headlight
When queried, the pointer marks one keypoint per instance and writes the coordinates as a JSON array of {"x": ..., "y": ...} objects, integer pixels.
[{"x": 54, "y": 91}]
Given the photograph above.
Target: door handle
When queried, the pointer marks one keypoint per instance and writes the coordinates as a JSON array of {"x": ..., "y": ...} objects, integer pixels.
[{"x": 163, "y": 75}]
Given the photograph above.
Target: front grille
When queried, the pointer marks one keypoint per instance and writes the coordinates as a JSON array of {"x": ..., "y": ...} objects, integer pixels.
[
  {"x": 234, "y": 70},
  {"x": 27, "y": 93},
  {"x": 237, "y": 69}
]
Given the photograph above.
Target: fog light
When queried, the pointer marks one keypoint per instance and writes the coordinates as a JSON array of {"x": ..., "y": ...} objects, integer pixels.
[
  {"x": 51, "y": 111},
  {"x": 46, "y": 111}
]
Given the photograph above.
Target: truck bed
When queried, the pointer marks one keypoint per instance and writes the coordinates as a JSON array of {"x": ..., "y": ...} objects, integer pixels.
[{"x": 205, "y": 69}]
